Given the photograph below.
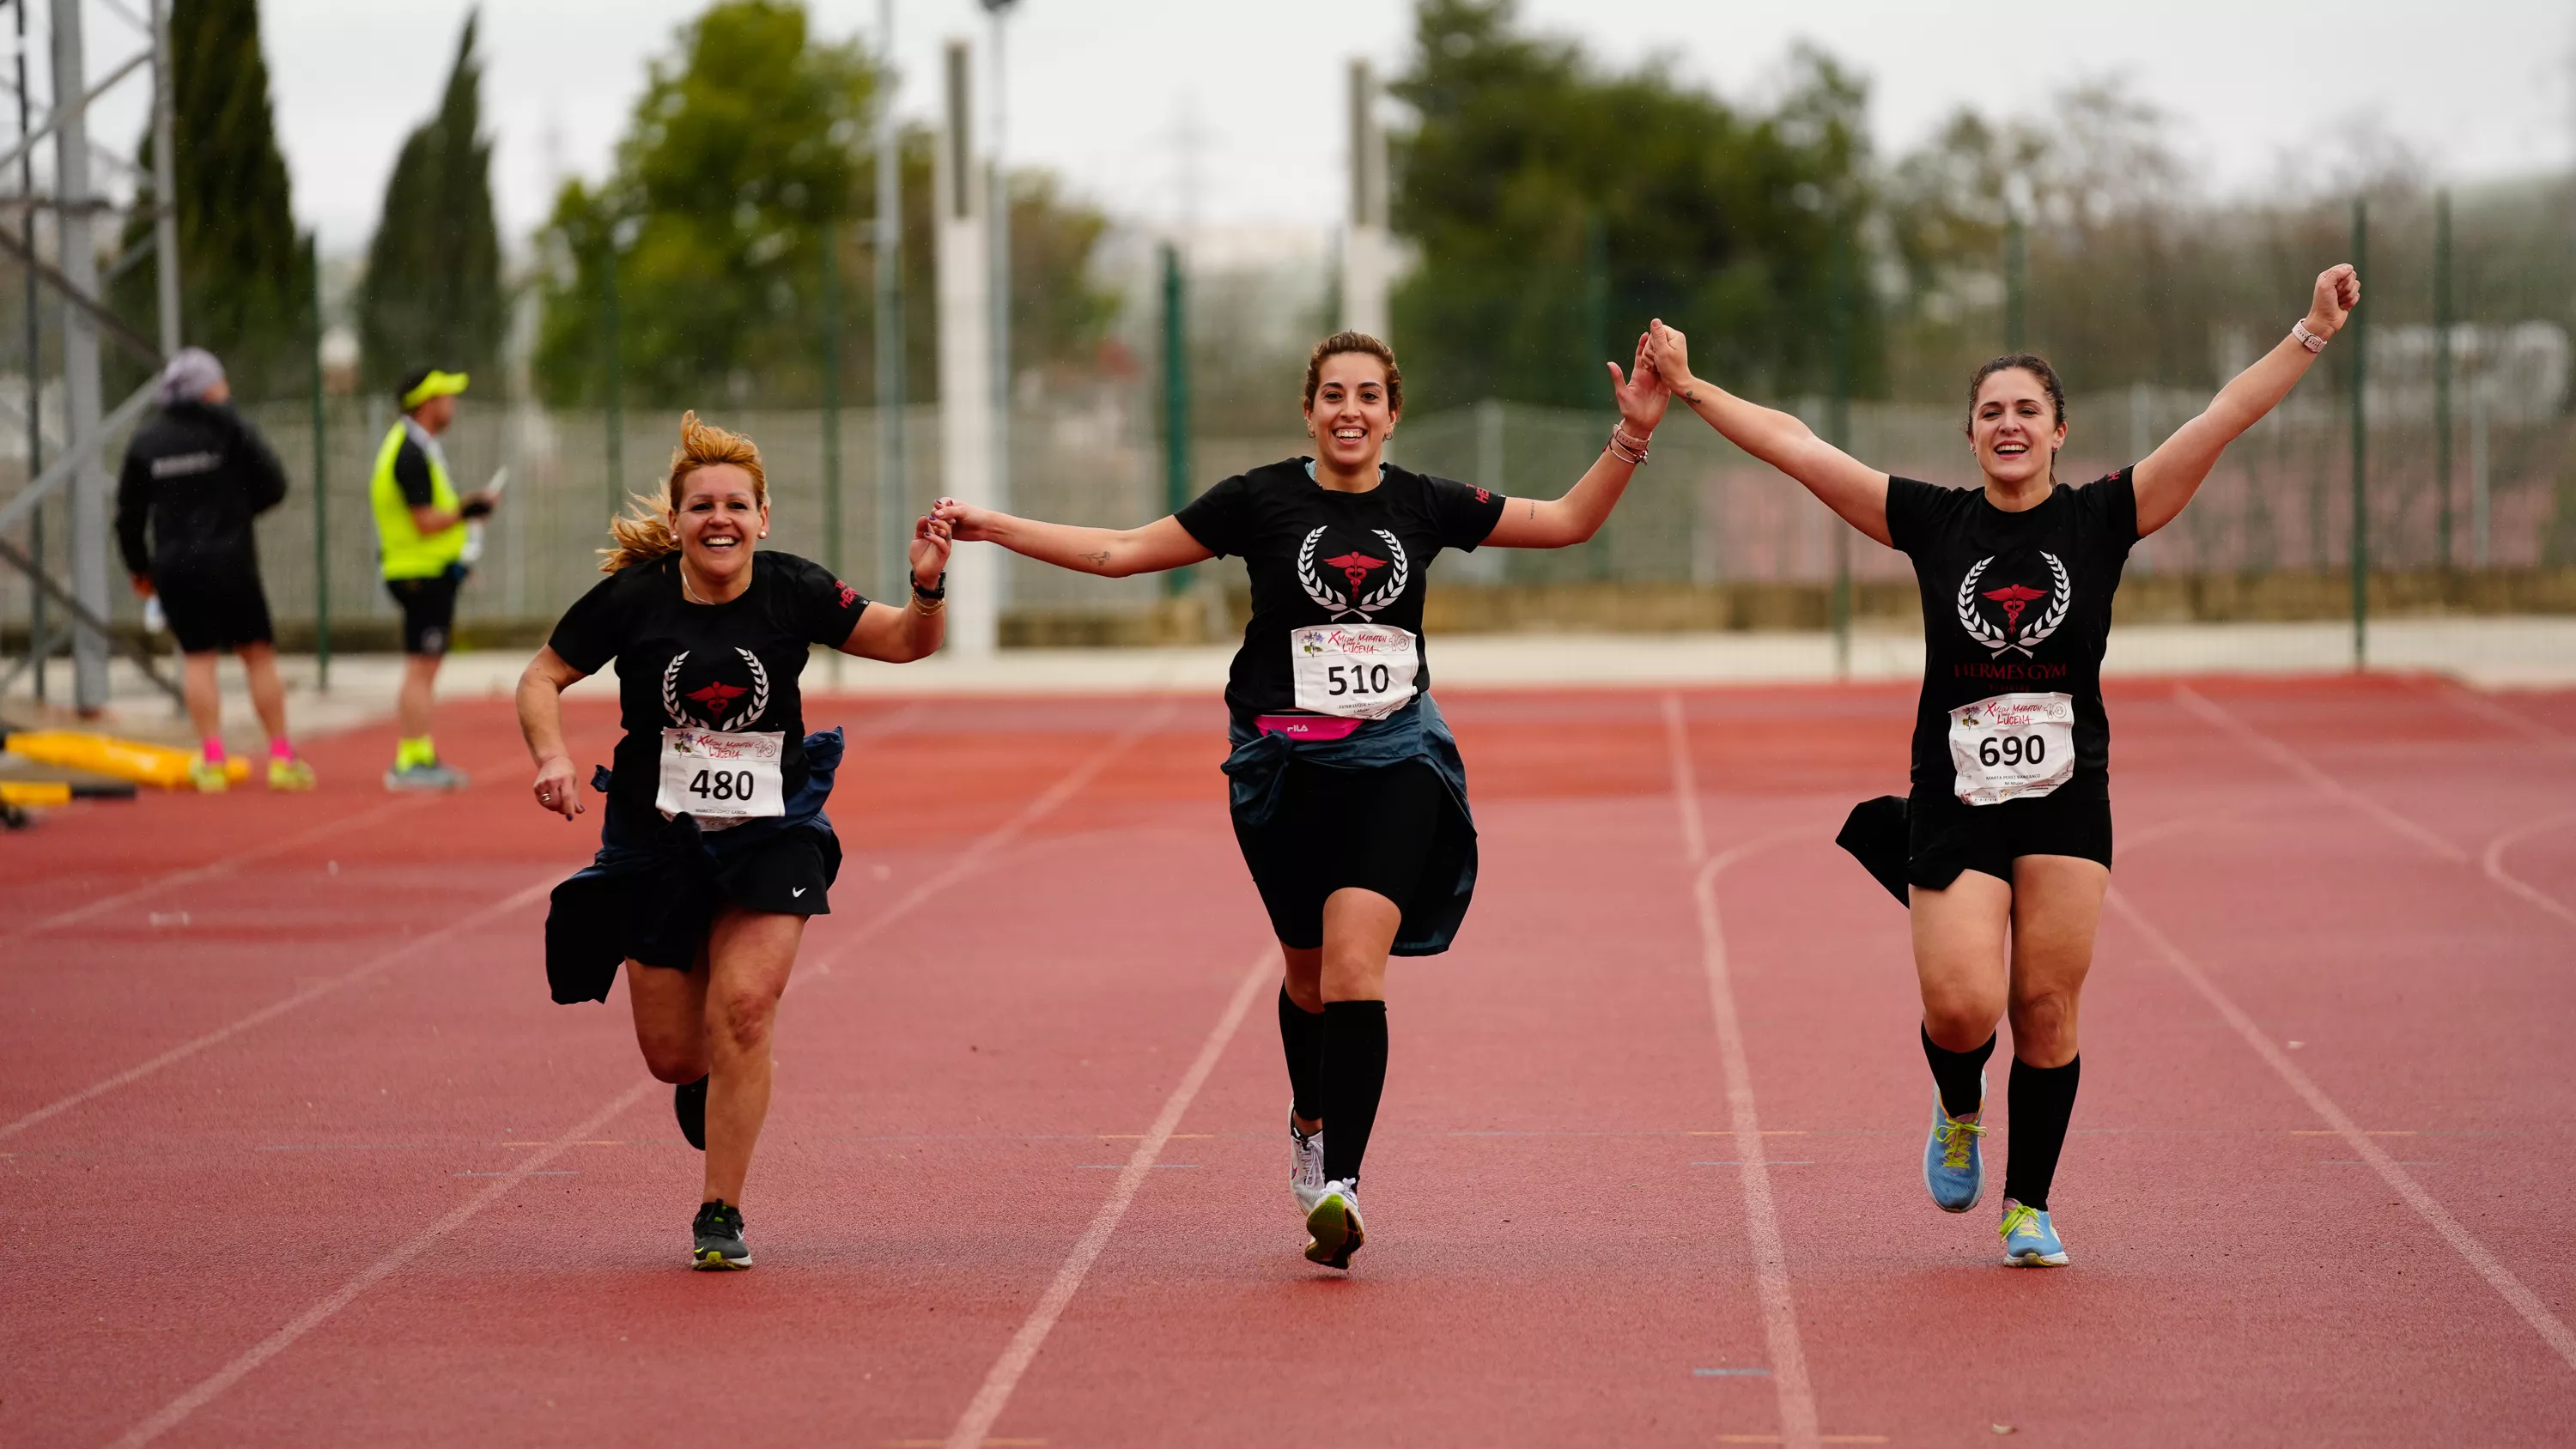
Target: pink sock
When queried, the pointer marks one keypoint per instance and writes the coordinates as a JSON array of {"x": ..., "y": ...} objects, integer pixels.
[
  {"x": 214, "y": 749},
  {"x": 281, "y": 748}
]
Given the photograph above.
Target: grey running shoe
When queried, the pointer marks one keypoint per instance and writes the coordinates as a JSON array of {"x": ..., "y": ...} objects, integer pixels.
[
  {"x": 689, "y": 1104},
  {"x": 425, "y": 777},
  {"x": 720, "y": 1246},
  {"x": 1305, "y": 1166}
]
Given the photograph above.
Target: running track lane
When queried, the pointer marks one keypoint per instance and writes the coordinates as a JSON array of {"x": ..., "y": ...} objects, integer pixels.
[{"x": 1551, "y": 1072}]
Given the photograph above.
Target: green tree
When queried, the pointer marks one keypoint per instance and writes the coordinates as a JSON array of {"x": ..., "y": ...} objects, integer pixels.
[
  {"x": 245, "y": 275},
  {"x": 432, "y": 293},
  {"x": 748, "y": 142},
  {"x": 1557, "y": 207}
]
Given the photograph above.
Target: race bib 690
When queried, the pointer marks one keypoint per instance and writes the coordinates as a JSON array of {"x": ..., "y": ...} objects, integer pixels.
[
  {"x": 1357, "y": 671},
  {"x": 2012, "y": 746}
]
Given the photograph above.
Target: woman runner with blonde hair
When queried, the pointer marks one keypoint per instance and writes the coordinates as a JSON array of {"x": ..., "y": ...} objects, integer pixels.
[{"x": 714, "y": 847}]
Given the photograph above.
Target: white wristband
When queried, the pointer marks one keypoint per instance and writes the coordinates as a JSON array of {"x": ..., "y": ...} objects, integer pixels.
[{"x": 2307, "y": 339}]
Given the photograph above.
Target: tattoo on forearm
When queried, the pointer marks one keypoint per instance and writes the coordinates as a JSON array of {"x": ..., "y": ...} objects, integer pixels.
[
  {"x": 1533, "y": 513},
  {"x": 1100, "y": 559}
]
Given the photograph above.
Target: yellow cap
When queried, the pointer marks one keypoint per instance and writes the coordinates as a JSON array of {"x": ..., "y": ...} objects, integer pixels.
[{"x": 435, "y": 384}]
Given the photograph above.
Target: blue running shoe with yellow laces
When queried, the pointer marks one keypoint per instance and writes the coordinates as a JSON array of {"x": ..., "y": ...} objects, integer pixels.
[
  {"x": 1954, "y": 1164},
  {"x": 2029, "y": 1241}
]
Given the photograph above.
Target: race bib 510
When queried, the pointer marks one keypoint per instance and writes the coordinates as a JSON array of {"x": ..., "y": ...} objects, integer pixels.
[{"x": 1357, "y": 671}]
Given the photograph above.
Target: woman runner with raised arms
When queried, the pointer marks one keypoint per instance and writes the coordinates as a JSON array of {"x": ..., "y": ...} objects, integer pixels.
[
  {"x": 2004, "y": 845},
  {"x": 1333, "y": 720},
  {"x": 714, "y": 847}
]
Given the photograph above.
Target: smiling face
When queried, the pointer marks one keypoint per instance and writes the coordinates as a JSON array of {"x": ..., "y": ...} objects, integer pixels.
[
  {"x": 718, "y": 514},
  {"x": 1350, "y": 413},
  {"x": 2014, "y": 427}
]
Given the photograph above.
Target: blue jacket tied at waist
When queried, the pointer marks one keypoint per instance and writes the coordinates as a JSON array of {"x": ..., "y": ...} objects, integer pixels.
[{"x": 1258, "y": 772}]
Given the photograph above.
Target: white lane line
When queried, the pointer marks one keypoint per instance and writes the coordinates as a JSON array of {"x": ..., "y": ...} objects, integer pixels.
[
  {"x": 1790, "y": 1383},
  {"x": 2493, "y": 861},
  {"x": 989, "y": 1401},
  {"x": 312, "y": 1318},
  {"x": 2522, "y": 1300},
  {"x": 224, "y": 867},
  {"x": 214, "y": 1384},
  {"x": 2462, "y": 698},
  {"x": 2299, "y": 765},
  {"x": 280, "y": 1007}
]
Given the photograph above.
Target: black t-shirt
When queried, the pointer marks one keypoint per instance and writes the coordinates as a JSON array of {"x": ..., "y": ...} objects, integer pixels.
[
  {"x": 728, "y": 666},
  {"x": 1321, "y": 557},
  {"x": 2014, "y": 603}
]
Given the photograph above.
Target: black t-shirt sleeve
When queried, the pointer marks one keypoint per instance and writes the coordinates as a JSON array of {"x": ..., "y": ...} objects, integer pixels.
[
  {"x": 1461, "y": 515},
  {"x": 820, "y": 607},
  {"x": 411, "y": 475},
  {"x": 1910, "y": 506},
  {"x": 592, "y": 631},
  {"x": 134, "y": 512},
  {"x": 2112, "y": 503},
  {"x": 1221, "y": 518}
]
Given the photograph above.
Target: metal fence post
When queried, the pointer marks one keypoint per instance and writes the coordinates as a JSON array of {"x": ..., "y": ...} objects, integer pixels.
[
  {"x": 1176, "y": 401},
  {"x": 2442, "y": 322},
  {"x": 321, "y": 496},
  {"x": 2360, "y": 453},
  {"x": 831, "y": 398},
  {"x": 1838, "y": 432}
]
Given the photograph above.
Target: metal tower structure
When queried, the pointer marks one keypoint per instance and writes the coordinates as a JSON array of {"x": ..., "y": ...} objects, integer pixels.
[{"x": 74, "y": 465}]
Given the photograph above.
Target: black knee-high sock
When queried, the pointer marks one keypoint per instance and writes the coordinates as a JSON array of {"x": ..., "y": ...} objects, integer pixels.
[
  {"x": 1301, "y": 1036},
  {"x": 1354, "y": 1075},
  {"x": 2042, "y": 1101},
  {"x": 1956, "y": 1073}
]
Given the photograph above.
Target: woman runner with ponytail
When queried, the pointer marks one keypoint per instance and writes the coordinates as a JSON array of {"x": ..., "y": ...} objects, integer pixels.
[
  {"x": 2004, "y": 847},
  {"x": 714, "y": 847},
  {"x": 1333, "y": 719}
]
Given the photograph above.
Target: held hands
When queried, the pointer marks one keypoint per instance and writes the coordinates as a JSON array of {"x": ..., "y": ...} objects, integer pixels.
[
  {"x": 1642, "y": 393},
  {"x": 932, "y": 537},
  {"x": 556, "y": 788},
  {"x": 2338, "y": 292},
  {"x": 965, "y": 522},
  {"x": 1671, "y": 353}
]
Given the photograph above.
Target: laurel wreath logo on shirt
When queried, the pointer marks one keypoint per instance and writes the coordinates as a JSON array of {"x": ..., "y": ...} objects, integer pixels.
[
  {"x": 759, "y": 692},
  {"x": 2060, "y": 599},
  {"x": 1362, "y": 604}
]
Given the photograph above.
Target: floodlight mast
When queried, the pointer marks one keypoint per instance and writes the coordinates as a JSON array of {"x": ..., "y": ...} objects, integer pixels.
[
  {"x": 997, "y": 198},
  {"x": 1364, "y": 241}
]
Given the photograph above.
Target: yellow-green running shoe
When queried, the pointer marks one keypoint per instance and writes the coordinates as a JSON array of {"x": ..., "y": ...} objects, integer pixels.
[
  {"x": 289, "y": 775},
  {"x": 1334, "y": 1221},
  {"x": 208, "y": 776},
  {"x": 2029, "y": 1241}
]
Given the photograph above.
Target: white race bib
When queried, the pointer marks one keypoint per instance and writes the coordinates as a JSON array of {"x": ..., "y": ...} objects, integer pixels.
[
  {"x": 1356, "y": 671},
  {"x": 722, "y": 779},
  {"x": 2013, "y": 746}
]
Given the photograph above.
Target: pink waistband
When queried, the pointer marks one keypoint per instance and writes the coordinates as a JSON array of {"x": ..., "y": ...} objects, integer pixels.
[{"x": 1307, "y": 726}]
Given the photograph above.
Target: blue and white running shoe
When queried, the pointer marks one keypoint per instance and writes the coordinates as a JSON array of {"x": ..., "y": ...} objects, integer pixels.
[
  {"x": 1954, "y": 1164},
  {"x": 2029, "y": 1242}
]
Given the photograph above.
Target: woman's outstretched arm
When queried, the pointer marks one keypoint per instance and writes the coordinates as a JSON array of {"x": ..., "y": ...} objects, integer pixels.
[
  {"x": 1575, "y": 517},
  {"x": 1848, "y": 486},
  {"x": 541, "y": 688},
  {"x": 2166, "y": 478},
  {"x": 1112, "y": 553}
]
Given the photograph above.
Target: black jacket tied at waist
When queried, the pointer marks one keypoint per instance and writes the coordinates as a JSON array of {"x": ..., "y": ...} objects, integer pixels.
[{"x": 650, "y": 881}]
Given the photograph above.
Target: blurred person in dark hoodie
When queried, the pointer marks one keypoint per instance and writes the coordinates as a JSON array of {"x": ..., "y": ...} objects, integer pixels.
[{"x": 195, "y": 477}]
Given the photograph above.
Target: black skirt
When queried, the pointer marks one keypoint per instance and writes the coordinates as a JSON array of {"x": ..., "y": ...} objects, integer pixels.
[
  {"x": 1928, "y": 840},
  {"x": 1374, "y": 829}
]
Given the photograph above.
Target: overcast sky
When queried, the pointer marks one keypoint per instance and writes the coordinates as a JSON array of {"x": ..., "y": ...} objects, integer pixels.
[{"x": 1106, "y": 91}]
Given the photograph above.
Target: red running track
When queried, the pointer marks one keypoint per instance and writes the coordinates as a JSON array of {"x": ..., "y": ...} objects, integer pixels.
[{"x": 296, "y": 1150}]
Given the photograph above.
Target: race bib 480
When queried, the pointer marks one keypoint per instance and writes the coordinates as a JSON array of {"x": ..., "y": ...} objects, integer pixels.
[
  {"x": 1357, "y": 671},
  {"x": 722, "y": 778},
  {"x": 2012, "y": 746}
]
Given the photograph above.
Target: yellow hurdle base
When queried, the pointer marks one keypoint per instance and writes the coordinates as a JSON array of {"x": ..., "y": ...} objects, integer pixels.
[{"x": 121, "y": 759}]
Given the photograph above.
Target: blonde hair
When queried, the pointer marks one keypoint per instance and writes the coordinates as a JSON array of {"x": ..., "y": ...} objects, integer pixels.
[{"x": 644, "y": 532}]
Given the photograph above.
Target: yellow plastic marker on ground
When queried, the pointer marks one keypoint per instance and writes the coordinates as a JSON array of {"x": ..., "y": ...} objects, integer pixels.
[{"x": 123, "y": 759}]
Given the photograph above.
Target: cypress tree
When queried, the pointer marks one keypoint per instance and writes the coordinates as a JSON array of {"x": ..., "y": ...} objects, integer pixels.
[
  {"x": 432, "y": 294},
  {"x": 244, "y": 273}
]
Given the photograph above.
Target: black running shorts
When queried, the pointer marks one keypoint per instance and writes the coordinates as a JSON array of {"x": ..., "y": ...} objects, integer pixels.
[
  {"x": 214, "y": 609},
  {"x": 428, "y": 609},
  {"x": 1372, "y": 829},
  {"x": 668, "y": 917},
  {"x": 1945, "y": 836}
]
